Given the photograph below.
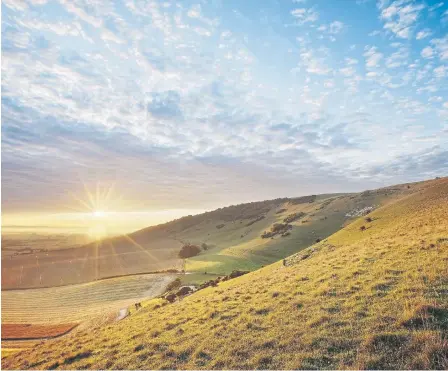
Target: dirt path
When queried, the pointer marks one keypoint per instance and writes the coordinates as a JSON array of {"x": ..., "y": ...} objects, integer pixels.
[
  {"x": 123, "y": 313},
  {"x": 159, "y": 286}
]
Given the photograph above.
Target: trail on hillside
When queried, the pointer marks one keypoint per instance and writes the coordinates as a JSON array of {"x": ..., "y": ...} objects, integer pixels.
[{"x": 158, "y": 286}]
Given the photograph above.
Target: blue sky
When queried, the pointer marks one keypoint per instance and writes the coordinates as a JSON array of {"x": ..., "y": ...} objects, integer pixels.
[{"x": 199, "y": 104}]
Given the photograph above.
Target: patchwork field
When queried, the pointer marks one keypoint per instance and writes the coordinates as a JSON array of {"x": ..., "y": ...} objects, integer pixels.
[
  {"x": 49, "y": 312},
  {"x": 97, "y": 260},
  {"x": 23, "y": 243},
  {"x": 14, "y": 331}
]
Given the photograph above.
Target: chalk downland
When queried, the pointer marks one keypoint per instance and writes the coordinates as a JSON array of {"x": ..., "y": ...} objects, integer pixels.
[{"x": 373, "y": 298}]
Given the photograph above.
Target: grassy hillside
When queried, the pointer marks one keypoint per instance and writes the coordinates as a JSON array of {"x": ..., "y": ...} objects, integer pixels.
[
  {"x": 373, "y": 297},
  {"x": 232, "y": 235},
  {"x": 237, "y": 244}
]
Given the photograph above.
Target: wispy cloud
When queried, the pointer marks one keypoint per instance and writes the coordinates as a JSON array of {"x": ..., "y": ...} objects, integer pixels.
[{"x": 180, "y": 104}]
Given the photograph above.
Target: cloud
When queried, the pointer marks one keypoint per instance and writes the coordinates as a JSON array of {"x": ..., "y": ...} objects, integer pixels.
[
  {"x": 427, "y": 52},
  {"x": 195, "y": 11},
  {"x": 440, "y": 72},
  {"x": 18, "y": 5},
  {"x": 305, "y": 15},
  {"x": 400, "y": 17},
  {"x": 179, "y": 106},
  {"x": 165, "y": 104},
  {"x": 335, "y": 27},
  {"x": 313, "y": 64},
  {"x": 441, "y": 47},
  {"x": 81, "y": 13},
  {"x": 373, "y": 57},
  {"x": 423, "y": 34},
  {"x": 398, "y": 58}
]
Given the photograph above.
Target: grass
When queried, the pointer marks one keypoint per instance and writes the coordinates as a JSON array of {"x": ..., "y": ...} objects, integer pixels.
[
  {"x": 239, "y": 246},
  {"x": 6, "y": 352},
  {"x": 368, "y": 300}
]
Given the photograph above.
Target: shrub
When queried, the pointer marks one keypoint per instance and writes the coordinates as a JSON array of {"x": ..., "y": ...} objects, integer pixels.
[
  {"x": 368, "y": 219},
  {"x": 293, "y": 217},
  {"x": 173, "y": 285},
  {"x": 362, "y": 228},
  {"x": 188, "y": 251},
  {"x": 261, "y": 217}
]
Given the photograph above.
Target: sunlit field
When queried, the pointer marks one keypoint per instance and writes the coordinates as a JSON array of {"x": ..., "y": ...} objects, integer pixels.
[{"x": 52, "y": 312}]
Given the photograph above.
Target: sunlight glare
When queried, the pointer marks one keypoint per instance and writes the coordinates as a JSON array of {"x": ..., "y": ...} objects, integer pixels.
[{"x": 99, "y": 213}]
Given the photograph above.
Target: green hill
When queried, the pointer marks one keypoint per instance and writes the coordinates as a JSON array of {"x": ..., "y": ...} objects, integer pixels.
[{"x": 372, "y": 295}]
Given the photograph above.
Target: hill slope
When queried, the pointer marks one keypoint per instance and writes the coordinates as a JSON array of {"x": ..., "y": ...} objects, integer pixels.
[
  {"x": 372, "y": 298},
  {"x": 232, "y": 235}
]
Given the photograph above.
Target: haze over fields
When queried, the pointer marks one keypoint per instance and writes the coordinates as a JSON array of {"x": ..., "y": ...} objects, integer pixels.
[
  {"x": 172, "y": 109},
  {"x": 231, "y": 184}
]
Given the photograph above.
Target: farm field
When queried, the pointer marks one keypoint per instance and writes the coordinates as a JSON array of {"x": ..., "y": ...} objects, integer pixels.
[
  {"x": 77, "y": 303},
  {"x": 107, "y": 258},
  {"x": 49, "y": 312},
  {"x": 23, "y": 243},
  {"x": 13, "y": 331}
]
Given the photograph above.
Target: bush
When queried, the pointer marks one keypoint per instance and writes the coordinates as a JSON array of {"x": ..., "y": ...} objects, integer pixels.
[
  {"x": 173, "y": 285},
  {"x": 261, "y": 217},
  {"x": 293, "y": 217},
  {"x": 188, "y": 251}
]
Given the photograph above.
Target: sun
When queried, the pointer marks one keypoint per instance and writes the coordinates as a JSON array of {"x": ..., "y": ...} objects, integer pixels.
[{"x": 98, "y": 213}]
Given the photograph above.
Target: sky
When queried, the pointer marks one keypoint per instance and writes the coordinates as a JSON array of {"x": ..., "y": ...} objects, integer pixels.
[{"x": 149, "y": 106}]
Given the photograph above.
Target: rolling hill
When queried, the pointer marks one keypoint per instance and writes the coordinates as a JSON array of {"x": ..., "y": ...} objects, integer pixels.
[
  {"x": 371, "y": 295},
  {"x": 230, "y": 235}
]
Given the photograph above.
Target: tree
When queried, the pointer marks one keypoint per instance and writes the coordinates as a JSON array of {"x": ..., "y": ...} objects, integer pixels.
[{"x": 189, "y": 250}]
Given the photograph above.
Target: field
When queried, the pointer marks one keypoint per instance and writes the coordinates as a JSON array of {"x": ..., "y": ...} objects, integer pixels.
[
  {"x": 15, "y": 331},
  {"x": 372, "y": 297},
  {"x": 77, "y": 303},
  {"x": 23, "y": 243},
  {"x": 42, "y": 313},
  {"x": 108, "y": 258}
]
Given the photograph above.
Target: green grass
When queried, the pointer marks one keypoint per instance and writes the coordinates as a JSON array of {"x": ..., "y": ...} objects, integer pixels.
[
  {"x": 373, "y": 299},
  {"x": 237, "y": 246}
]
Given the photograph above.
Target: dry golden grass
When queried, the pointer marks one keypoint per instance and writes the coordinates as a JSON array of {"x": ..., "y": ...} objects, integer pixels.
[{"x": 373, "y": 299}]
